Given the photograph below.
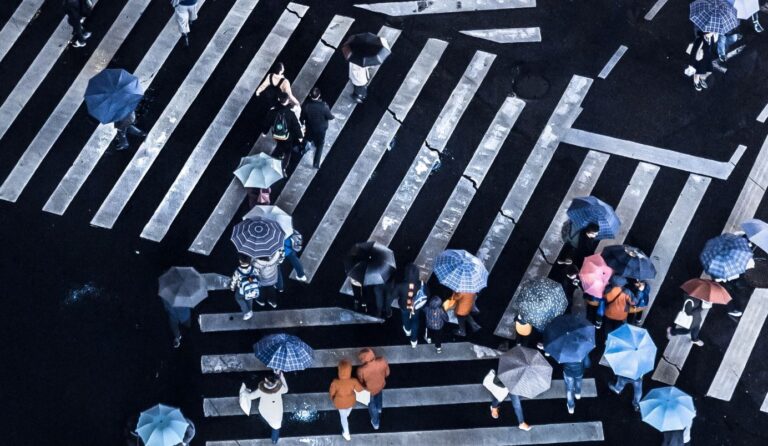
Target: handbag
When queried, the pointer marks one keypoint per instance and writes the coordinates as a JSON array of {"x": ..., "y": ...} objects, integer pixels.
[
  {"x": 498, "y": 392},
  {"x": 683, "y": 319},
  {"x": 449, "y": 304},
  {"x": 244, "y": 400},
  {"x": 363, "y": 397}
]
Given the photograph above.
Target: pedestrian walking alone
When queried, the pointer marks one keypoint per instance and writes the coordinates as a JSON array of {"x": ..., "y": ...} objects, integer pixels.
[
  {"x": 411, "y": 295},
  {"x": 436, "y": 317},
  {"x": 375, "y": 298},
  {"x": 579, "y": 243},
  {"x": 270, "y": 394},
  {"x": 315, "y": 115},
  {"x": 702, "y": 53},
  {"x": 292, "y": 246},
  {"x": 177, "y": 317},
  {"x": 342, "y": 393},
  {"x": 286, "y": 130},
  {"x": 77, "y": 11},
  {"x": 245, "y": 284},
  {"x": 185, "y": 12},
  {"x": 267, "y": 269},
  {"x": 573, "y": 375},
  {"x": 372, "y": 374},
  {"x": 517, "y": 407},
  {"x": 692, "y": 308},
  {"x": 126, "y": 127},
  {"x": 359, "y": 76}
]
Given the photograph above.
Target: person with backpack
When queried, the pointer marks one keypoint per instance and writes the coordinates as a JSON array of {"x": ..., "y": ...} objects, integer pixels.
[
  {"x": 315, "y": 116},
  {"x": 77, "y": 11},
  {"x": 411, "y": 295},
  {"x": 274, "y": 84},
  {"x": 618, "y": 301},
  {"x": 267, "y": 269},
  {"x": 245, "y": 284},
  {"x": 579, "y": 243},
  {"x": 436, "y": 318},
  {"x": 463, "y": 305},
  {"x": 292, "y": 246},
  {"x": 185, "y": 12},
  {"x": 286, "y": 130}
]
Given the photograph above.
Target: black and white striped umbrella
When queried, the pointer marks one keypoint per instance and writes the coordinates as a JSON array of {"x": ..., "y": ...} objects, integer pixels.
[{"x": 258, "y": 237}]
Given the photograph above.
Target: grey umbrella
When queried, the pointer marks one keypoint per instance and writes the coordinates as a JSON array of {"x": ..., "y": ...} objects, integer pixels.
[
  {"x": 525, "y": 372},
  {"x": 183, "y": 286}
]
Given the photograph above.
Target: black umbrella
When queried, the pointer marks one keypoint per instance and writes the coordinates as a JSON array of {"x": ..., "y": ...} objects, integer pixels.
[
  {"x": 366, "y": 49},
  {"x": 370, "y": 263}
]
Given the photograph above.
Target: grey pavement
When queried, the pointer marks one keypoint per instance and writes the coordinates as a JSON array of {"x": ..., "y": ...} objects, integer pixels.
[{"x": 267, "y": 319}]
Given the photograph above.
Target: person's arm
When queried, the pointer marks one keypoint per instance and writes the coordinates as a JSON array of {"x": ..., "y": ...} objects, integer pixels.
[
  {"x": 327, "y": 110},
  {"x": 386, "y": 371},
  {"x": 358, "y": 386},
  {"x": 284, "y": 387},
  {"x": 285, "y": 87},
  {"x": 333, "y": 390},
  {"x": 264, "y": 84}
]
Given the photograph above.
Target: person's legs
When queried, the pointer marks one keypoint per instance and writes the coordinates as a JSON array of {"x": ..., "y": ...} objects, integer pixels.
[
  {"x": 319, "y": 141},
  {"x": 173, "y": 321},
  {"x": 462, "y": 331},
  {"x": 518, "y": 408},
  {"x": 122, "y": 140},
  {"x": 414, "y": 322},
  {"x": 637, "y": 386},
  {"x": 182, "y": 18},
  {"x": 192, "y": 13},
  {"x": 577, "y": 385},
  {"x": 437, "y": 337},
  {"x": 275, "y": 435},
  {"x": 135, "y": 131},
  {"x": 405, "y": 317},
  {"x": 245, "y": 305},
  {"x": 269, "y": 293},
  {"x": 570, "y": 399},
  {"x": 280, "y": 285},
  {"x": 295, "y": 263},
  {"x": 361, "y": 91},
  {"x": 620, "y": 383},
  {"x": 756, "y": 23},
  {"x": 344, "y": 415},
  {"x": 374, "y": 409}
]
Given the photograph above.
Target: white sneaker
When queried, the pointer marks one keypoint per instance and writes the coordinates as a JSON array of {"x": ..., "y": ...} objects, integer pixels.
[
  {"x": 407, "y": 332},
  {"x": 414, "y": 343},
  {"x": 346, "y": 436},
  {"x": 248, "y": 315},
  {"x": 301, "y": 278},
  {"x": 577, "y": 395},
  {"x": 570, "y": 409}
]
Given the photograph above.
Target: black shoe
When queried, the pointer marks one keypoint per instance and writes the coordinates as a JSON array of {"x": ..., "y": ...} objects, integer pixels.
[
  {"x": 703, "y": 83},
  {"x": 272, "y": 304},
  {"x": 78, "y": 44},
  {"x": 186, "y": 39},
  {"x": 122, "y": 147},
  {"x": 177, "y": 342},
  {"x": 459, "y": 332},
  {"x": 389, "y": 312},
  {"x": 758, "y": 26},
  {"x": 636, "y": 407},
  {"x": 474, "y": 326},
  {"x": 697, "y": 86},
  {"x": 316, "y": 166},
  {"x": 86, "y": 35}
]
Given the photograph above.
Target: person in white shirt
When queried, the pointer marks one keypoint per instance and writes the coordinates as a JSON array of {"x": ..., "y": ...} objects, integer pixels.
[
  {"x": 359, "y": 76},
  {"x": 270, "y": 394}
]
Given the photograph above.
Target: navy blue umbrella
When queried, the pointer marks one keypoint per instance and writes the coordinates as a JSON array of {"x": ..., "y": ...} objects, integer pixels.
[
  {"x": 713, "y": 16},
  {"x": 726, "y": 256},
  {"x": 112, "y": 95},
  {"x": 283, "y": 352},
  {"x": 627, "y": 261},
  {"x": 569, "y": 338},
  {"x": 586, "y": 210},
  {"x": 257, "y": 237}
]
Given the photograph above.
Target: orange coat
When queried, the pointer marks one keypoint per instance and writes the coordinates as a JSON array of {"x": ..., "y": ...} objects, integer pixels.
[
  {"x": 617, "y": 304},
  {"x": 342, "y": 391},
  {"x": 464, "y": 303},
  {"x": 373, "y": 371}
]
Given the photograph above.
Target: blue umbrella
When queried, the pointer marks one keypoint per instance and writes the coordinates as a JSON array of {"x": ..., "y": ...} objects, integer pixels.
[
  {"x": 112, "y": 95},
  {"x": 713, "y": 16},
  {"x": 757, "y": 231},
  {"x": 586, "y": 210},
  {"x": 283, "y": 352},
  {"x": 539, "y": 301},
  {"x": 628, "y": 261},
  {"x": 162, "y": 425},
  {"x": 630, "y": 351},
  {"x": 569, "y": 338},
  {"x": 461, "y": 271},
  {"x": 258, "y": 237},
  {"x": 725, "y": 256},
  {"x": 668, "y": 409}
]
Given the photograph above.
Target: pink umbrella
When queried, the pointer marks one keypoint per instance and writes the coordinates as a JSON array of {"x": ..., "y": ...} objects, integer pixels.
[{"x": 594, "y": 275}]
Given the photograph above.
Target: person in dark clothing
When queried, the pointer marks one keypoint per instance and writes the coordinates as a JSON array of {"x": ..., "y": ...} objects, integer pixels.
[
  {"x": 435, "y": 317},
  {"x": 701, "y": 58},
  {"x": 740, "y": 291},
  {"x": 692, "y": 307},
  {"x": 673, "y": 438},
  {"x": 126, "y": 127},
  {"x": 77, "y": 11},
  {"x": 177, "y": 316},
  {"x": 285, "y": 128},
  {"x": 411, "y": 295},
  {"x": 315, "y": 115},
  {"x": 377, "y": 296},
  {"x": 579, "y": 244},
  {"x": 573, "y": 374}
]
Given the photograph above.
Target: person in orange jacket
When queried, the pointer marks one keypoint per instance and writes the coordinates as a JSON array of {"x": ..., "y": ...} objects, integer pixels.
[
  {"x": 342, "y": 393},
  {"x": 372, "y": 374},
  {"x": 618, "y": 301},
  {"x": 462, "y": 304}
]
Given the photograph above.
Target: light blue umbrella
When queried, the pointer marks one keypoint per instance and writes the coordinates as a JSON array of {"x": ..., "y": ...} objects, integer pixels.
[
  {"x": 757, "y": 232},
  {"x": 630, "y": 351},
  {"x": 586, "y": 210},
  {"x": 725, "y": 256},
  {"x": 461, "y": 271},
  {"x": 162, "y": 425},
  {"x": 667, "y": 409}
]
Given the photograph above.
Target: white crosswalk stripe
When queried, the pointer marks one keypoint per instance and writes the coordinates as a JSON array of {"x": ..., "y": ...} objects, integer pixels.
[
  {"x": 405, "y": 8},
  {"x": 174, "y": 112},
  {"x": 30, "y": 161},
  {"x": 101, "y": 138},
  {"x": 18, "y": 22},
  {"x": 506, "y": 35},
  {"x": 612, "y": 62},
  {"x": 309, "y": 317}
]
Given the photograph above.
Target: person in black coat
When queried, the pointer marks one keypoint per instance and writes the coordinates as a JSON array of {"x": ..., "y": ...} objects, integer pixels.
[
  {"x": 77, "y": 11},
  {"x": 287, "y": 138},
  {"x": 701, "y": 58},
  {"x": 315, "y": 115}
]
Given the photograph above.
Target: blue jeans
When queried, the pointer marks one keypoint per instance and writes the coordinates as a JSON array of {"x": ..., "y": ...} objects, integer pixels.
[
  {"x": 293, "y": 259},
  {"x": 275, "y": 435},
  {"x": 411, "y": 322},
  {"x": 572, "y": 387},
  {"x": 637, "y": 385},
  {"x": 374, "y": 408},
  {"x": 724, "y": 42},
  {"x": 516, "y": 406},
  {"x": 245, "y": 305}
]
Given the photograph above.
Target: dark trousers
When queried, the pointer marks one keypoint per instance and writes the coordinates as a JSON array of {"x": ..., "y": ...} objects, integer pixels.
[
  {"x": 611, "y": 324},
  {"x": 122, "y": 139},
  {"x": 318, "y": 140},
  {"x": 411, "y": 323},
  {"x": 175, "y": 321},
  {"x": 267, "y": 294},
  {"x": 436, "y": 336},
  {"x": 275, "y": 435},
  {"x": 77, "y": 30},
  {"x": 284, "y": 152},
  {"x": 360, "y": 91}
]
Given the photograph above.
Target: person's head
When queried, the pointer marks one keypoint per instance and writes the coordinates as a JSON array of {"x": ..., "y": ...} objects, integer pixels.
[
  {"x": 571, "y": 271},
  {"x": 244, "y": 260},
  {"x": 366, "y": 355},
  {"x": 345, "y": 369},
  {"x": 592, "y": 230},
  {"x": 283, "y": 98},
  {"x": 277, "y": 68},
  {"x": 315, "y": 94},
  {"x": 270, "y": 384}
]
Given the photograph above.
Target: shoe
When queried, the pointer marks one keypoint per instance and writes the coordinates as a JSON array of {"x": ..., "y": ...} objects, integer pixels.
[
  {"x": 301, "y": 278},
  {"x": 577, "y": 395},
  {"x": 272, "y": 304},
  {"x": 439, "y": 349},
  {"x": 613, "y": 389},
  {"x": 315, "y": 166},
  {"x": 389, "y": 313},
  {"x": 758, "y": 27},
  {"x": 87, "y": 35},
  {"x": 414, "y": 344},
  {"x": 598, "y": 325},
  {"x": 78, "y": 44},
  {"x": 407, "y": 332},
  {"x": 636, "y": 407},
  {"x": 739, "y": 36},
  {"x": 565, "y": 262},
  {"x": 495, "y": 413},
  {"x": 524, "y": 427},
  {"x": 375, "y": 426},
  {"x": 570, "y": 409},
  {"x": 122, "y": 146},
  {"x": 459, "y": 332},
  {"x": 722, "y": 59},
  {"x": 186, "y": 39},
  {"x": 248, "y": 315},
  {"x": 82, "y": 20},
  {"x": 697, "y": 86},
  {"x": 260, "y": 302},
  {"x": 699, "y": 343},
  {"x": 669, "y": 333},
  {"x": 177, "y": 342},
  {"x": 735, "y": 313},
  {"x": 357, "y": 99},
  {"x": 474, "y": 326},
  {"x": 540, "y": 346},
  {"x": 703, "y": 83},
  {"x": 346, "y": 436},
  {"x": 427, "y": 339}
]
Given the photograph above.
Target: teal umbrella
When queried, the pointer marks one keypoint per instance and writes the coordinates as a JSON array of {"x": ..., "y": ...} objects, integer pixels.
[{"x": 162, "y": 425}]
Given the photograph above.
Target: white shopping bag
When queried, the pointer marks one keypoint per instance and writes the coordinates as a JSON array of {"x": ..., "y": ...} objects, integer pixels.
[
  {"x": 245, "y": 401},
  {"x": 498, "y": 392},
  {"x": 363, "y": 397}
]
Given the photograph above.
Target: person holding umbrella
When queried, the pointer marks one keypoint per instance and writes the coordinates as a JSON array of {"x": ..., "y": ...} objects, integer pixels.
[
  {"x": 595, "y": 275},
  {"x": 631, "y": 353},
  {"x": 267, "y": 269},
  {"x": 112, "y": 97},
  {"x": 671, "y": 411},
  {"x": 465, "y": 275},
  {"x": 579, "y": 243},
  {"x": 181, "y": 289},
  {"x": 343, "y": 392},
  {"x": 411, "y": 295},
  {"x": 362, "y": 51},
  {"x": 163, "y": 425},
  {"x": 569, "y": 339},
  {"x": 703, "y": 294},
  {"x": 372, "y": 374},
  {"x": 369, "y": 266},
  {"x": 77, "y": 11},
  {"x": 270, "y": 395},
  {"x": 524, "y": 373}
]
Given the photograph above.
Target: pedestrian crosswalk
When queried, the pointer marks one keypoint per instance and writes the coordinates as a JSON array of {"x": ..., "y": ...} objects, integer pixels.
[
  {"x": 404, "y": 8},
  {"x": 310, "y": 317},
  {"x": 13, "y": 28}
]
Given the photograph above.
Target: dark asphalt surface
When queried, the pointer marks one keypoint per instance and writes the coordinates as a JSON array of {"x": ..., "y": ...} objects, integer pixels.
[{"x": 84, "y": 339}]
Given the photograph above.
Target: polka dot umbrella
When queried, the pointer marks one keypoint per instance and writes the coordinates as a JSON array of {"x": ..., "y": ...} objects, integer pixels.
[{"x": 539, "y": 301}]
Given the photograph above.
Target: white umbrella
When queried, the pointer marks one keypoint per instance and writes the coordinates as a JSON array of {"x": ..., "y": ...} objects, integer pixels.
[
  {"x": 259, "y": 171},
  {"x": 745, "y": 8},
  {"x": 273, "y": 213}
]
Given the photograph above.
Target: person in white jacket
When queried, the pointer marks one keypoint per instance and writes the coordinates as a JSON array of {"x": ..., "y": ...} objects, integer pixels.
[{"x": 270, "y": 394}]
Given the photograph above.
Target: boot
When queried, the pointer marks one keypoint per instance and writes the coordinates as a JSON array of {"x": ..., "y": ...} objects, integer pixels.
[{"x": 474, "y": 326}]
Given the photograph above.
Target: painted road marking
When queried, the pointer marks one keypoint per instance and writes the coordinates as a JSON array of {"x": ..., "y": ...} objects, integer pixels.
[
  {"x": 265, "y": 320},
  {"x": 369, "y": 158},
  {"x": 394, "y": 398},
  {"x": 540, "y": 434},
  {"x": 214, "y": 136},
  {"x": 763, "y": 114},
  {"x": 395, "y": 354},
  {"x": 506, "y": 35},
  {"x": 655, "y": 155},
  {"x": 764, "y": 407},
  {"x": 655, "y": 9},
  {"x": 612, "y": 62},
  {"x": 173, "y": 114},
  {"x": 66, "y": 108},
  {"x": 552, "y": 243},
  {"x": 101, "y": 138},
  {"x": 16, "y": 24},
  {"x": 299, "y": 181},
  {"x": 444, "y": 6},
  {"x": 740, "y": 348},
  {"x": 562, "y": 118}
]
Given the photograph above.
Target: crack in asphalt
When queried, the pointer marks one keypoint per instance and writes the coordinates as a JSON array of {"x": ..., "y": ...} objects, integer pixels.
[
  {"x": 328, "y": 44},
  {"x": 394, "y": 116},
  {"x": 471, "y": 180},
  {"x": 294, "y": 12},
  {"x": 541, "y": 251},
  {"x": 501, "y": 212}
]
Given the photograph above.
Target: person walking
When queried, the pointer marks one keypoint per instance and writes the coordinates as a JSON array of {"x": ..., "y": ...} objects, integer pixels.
[
  {"x": 573, "y": 375},
  {"x": 77, "y": 11},
  {"x": 285, "y": 128},
  {"x": 177, "y": 317},
  {"x": 411, "y": 295},
  {"x": 292, "y": 246},
  {"x": 274, "y": 84},
  {"x": 372, "y": 374},
  {"x": 359, "y": 76},
  {"x": 516, "y": 405},
  {"x": 185, "y": 12},
  {"x": 315, "y": 115},
  {"x": 126, "y": 127},
  {"x": 637, "y": 386},
  {"x": 617, "y": 304},
  {"x": 640, "y": 292},
  {"x": 245, "y": 284},
  {"x": 691, "y": 307},
  {"x": 701, "y": 58},
  {"x": 723, "y": 44},
  {"x": 463, "y": 304},
  {"x": 579, "y": 243},
  {"x": 378, "y": 296},
  {"x": 267, "y": 269},
  {"x": 342, "y": 393},
  {"x": 435, "y": 317},
  {"x": 270, "y": 394}
]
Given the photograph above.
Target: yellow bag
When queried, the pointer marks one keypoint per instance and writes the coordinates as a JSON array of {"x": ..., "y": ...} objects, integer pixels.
[{"x": 449, "y": 304}]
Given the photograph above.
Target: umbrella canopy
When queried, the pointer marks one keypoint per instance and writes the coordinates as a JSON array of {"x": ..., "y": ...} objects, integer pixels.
[
  {"x": 586, "y": 210},
  {"x": 539, "y": 301},
  {"x": 713, "y": 16},
  {"x": 745, "y": 8},
  {"x": 461, "y": 271},
  {"x": 667, "y": 409},
  {"x": 259, "y": 171},
  {"x": 594, "y": 275},
  {"x": 525, "y": 372},
  {"x": 283, "y": 352},
  {"x": 370, "y": 263},
  {"x": 162, "y": 425},
  {"x": 725, "y": 256},
  {"x": 182, "y": 286},
  {"x": 366, "y": 49},
  {"x": 706, "y": 290},
  {"x": 628, "y": 261},
  {"x": 257, "y": 237},
  {"x": 630, "y": 351},
  {"x": 757, "y": 231},
  {"x": 569, "y": 338},
  {"x": 273, "y": 213},
  {"x": 112, "y": 95}
]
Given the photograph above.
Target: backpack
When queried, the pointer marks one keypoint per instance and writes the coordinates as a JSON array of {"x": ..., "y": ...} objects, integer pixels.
[
  {"x": 248, "y": 286},
  {"x": 420, "y": 299},
  {"x": 280, "y": 130},
  {"x": 297, "y": 242}
]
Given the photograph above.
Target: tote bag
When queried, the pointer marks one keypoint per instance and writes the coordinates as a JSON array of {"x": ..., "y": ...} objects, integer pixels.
[
  {"x": 683, "y": 319},
  {"x": 363, "y": 397}
]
